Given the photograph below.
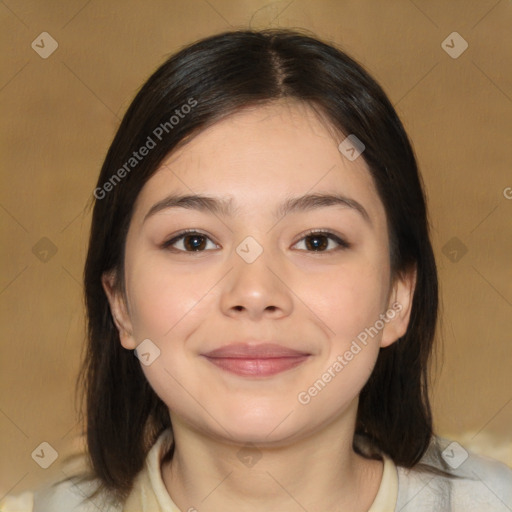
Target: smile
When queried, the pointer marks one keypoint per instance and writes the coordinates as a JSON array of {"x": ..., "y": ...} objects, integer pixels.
[{"x": 257, "y": 367}]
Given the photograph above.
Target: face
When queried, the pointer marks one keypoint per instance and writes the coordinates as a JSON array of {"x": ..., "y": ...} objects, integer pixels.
[{"x": 313, "y": 278}]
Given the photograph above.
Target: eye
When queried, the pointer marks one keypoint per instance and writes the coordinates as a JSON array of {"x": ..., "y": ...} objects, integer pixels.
[
  {"x": 319, "y": 241},
  {"x": 193, "y": 240}
]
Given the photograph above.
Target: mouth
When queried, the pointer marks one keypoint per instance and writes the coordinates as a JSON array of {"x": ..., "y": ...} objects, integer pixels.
[{"x": 261, "y": 360}]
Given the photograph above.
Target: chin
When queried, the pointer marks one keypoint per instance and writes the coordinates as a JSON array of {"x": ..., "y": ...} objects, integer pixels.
[{"x": 257, "y": 428}]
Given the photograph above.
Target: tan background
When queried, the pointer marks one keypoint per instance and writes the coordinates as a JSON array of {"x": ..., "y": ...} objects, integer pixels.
[{"x": 59, "y": 115}]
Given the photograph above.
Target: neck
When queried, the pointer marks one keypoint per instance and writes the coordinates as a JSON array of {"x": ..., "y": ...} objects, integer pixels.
[{"x": 320, "y": 471}]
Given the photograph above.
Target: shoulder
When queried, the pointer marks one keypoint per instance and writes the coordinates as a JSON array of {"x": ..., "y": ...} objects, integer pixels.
[
  {"x": 471, "y": 483},
  {"x": 77, "y": 493},
  {"x": 61, "y": 497},
  {"x": 58, "y": 497},
  {"x": 68, "y": 494},
  {"x": 71, "y": 496}
]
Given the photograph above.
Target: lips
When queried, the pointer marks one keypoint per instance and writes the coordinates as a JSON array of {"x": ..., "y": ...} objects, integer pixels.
[
  {"x": 255, "y": 351},
  {"x": 256, "y": 360}
]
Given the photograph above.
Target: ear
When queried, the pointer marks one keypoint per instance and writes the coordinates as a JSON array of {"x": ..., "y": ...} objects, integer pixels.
[
  {"x": 400, "y": 303},
  {"x": 119, "y": 310}
]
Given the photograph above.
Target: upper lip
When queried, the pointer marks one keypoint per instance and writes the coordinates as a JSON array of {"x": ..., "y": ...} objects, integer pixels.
[{"x": 255, "y": 350}]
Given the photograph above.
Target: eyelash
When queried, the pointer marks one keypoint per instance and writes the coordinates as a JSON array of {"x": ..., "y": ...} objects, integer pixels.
[{"x": 331, "y": 236}]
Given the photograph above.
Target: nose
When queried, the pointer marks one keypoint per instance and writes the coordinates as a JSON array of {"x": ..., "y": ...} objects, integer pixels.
[{"x": 257, "y": 289}]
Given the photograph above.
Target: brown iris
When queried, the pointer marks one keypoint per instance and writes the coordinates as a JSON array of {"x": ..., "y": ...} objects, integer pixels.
[
  {"x": 316, "y": 246},
  {"x": 198, "y": 242}
]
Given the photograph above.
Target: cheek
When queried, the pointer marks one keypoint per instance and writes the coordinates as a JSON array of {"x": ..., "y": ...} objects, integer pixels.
[
  {"x": 166, "y": 307},
  {"x": 349, "y": 306},
  {"x": 348, "y": 300},
  {"x": 339, "y": 384},
  {"x": 161, "y": 298}
]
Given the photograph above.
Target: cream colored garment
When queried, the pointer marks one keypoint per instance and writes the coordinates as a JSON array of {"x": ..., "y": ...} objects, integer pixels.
[
  {"x": 483, "y": 485},
  {"x": 149, "y": 493}
]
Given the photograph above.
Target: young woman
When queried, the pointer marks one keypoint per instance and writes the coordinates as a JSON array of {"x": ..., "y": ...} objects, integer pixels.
[{"x": 262, "y": 298}]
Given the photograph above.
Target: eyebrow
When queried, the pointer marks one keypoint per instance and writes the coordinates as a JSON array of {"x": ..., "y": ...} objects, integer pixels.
[{"x": 225, "y": 207}]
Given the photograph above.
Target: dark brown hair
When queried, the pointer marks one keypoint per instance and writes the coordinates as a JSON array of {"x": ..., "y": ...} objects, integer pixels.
[{"x": 223, "y": 74}]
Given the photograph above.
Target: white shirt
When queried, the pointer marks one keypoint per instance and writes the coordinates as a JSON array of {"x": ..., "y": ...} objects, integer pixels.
[{"x": 485, "y": 485}]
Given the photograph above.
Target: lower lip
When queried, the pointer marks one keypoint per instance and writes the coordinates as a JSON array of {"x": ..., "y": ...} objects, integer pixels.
[{"x": 257, "y": 367}]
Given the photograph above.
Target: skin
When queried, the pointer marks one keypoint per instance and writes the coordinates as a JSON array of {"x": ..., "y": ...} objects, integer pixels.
[{"x": 188, "y": 303}]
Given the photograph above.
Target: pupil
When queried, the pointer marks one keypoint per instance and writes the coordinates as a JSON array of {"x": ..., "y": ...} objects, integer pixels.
[
  {"x": 198, "y": 242},
  {"x": 316, "y": 245},
  {"x": 195, "y": 244}
]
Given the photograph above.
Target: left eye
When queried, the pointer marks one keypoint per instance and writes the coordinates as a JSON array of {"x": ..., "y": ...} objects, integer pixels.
[{"x": 319, "y": 240}]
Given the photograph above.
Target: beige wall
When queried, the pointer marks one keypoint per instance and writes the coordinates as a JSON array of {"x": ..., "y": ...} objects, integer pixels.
[{"x": 59, "y": 115}]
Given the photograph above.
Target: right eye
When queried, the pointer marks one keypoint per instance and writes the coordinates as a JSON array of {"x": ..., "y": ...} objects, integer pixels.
[{"x": 191, "y": 240}]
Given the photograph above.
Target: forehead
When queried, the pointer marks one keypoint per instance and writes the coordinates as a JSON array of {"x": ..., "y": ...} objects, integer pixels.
[{"x": 260, "y": 155}]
